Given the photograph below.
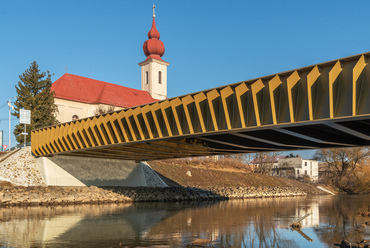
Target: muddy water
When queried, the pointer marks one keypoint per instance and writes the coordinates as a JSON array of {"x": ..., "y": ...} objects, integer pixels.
[{"x": 234, "y": 223}]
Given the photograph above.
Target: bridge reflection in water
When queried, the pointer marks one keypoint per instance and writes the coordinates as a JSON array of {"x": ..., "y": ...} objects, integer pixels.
[
  {"x": 237, "y": 223},
  {"x": 319, "y": 106}
]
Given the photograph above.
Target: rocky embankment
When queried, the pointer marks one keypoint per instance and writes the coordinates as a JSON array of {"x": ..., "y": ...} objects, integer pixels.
[
  {"x": 197, "y": 194},
  {"x": 38, "y": 195},
  {"x": 19, "y": 168}
]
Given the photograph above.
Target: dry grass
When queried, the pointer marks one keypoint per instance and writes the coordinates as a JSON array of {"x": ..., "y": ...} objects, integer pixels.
[
  {"x": 203, "y": 173},
  {"x": 224, "y": 164},
  {"x": 361, "y": 183},
  {"x": 5, "y": 184}
]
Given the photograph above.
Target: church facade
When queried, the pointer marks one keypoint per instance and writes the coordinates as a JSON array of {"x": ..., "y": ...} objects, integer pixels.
[{"x": 79, "y": 97}]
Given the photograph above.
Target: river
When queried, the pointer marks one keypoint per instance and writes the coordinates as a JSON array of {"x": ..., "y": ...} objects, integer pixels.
[{"x": 235, "y": 223}]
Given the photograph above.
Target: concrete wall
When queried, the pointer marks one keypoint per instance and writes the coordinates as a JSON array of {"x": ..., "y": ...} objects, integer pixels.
[{"x": 83, "y": 171}]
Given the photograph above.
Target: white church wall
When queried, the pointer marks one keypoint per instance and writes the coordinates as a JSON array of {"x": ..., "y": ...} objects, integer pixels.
[{"x": 67, "y": 109}]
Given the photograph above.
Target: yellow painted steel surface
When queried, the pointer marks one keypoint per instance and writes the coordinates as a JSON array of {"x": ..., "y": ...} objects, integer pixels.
[{"x": 323, "y": 105}]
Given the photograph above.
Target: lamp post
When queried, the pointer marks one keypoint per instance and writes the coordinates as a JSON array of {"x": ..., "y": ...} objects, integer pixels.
[{"x": 11, "y": 107}]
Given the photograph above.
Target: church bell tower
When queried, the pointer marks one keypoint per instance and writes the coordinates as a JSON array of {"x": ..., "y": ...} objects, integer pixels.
[{"x": 153, "y": 68}]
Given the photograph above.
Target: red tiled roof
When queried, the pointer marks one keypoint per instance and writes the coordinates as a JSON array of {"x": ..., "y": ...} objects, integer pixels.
[{"x": 81, "y": 89}]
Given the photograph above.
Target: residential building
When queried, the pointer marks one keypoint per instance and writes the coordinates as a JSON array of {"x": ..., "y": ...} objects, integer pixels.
[{"x": 297, "y": 167}]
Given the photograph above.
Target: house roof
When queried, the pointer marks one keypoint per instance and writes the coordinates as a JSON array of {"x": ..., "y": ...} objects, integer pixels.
[
  {"x": 267, "y": 160},
  {"x": 81, "y": 89}
]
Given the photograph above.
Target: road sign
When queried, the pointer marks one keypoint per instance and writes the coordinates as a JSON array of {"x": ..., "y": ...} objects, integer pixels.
[
  {"x": 25, "y": 116},
  {"x": 5, "y": 146}
]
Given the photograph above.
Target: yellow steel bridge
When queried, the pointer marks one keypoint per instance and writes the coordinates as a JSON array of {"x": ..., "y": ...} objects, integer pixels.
[{"x": 318, "y": 106}]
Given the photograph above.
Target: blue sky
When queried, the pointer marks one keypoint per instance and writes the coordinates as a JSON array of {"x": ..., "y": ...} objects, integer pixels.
[{"x": 208, "y": 43}]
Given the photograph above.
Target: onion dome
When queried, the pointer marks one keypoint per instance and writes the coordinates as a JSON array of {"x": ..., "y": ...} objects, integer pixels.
[{"x": 153, "y": 47}]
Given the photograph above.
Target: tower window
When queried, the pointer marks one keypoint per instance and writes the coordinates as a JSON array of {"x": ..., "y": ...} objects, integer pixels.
[
  {"x": 146, "y": 77},
  {"x": 160, "y": 77}
]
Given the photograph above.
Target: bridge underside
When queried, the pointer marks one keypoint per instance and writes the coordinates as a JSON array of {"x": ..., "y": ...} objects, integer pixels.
[{"x": 320, "y": 106}]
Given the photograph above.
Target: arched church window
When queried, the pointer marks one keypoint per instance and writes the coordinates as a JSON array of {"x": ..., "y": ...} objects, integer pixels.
[
  {"x": 75, "y": 117},
  {"x": 160, "y": 77},
  {"x": 146, "y": 77}
]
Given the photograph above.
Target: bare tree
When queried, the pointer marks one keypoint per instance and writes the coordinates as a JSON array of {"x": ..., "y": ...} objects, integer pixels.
[
  {"x": 286, "y": 169},
  {"x": 102, "y": 110},
  {"x": 342, "y": 165},
  {"x": 263, "y": 162},
  {"x": 242, "y": 157}
]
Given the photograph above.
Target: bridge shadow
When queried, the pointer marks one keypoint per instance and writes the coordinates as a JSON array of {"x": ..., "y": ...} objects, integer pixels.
[
  {"x": 166, "y": 194},
  {"x": 173, "y": 193},
  {"x": 168, "y": 181}
]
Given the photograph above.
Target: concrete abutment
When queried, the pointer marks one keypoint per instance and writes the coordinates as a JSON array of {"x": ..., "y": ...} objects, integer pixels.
[{"x": 84, "y": 171}]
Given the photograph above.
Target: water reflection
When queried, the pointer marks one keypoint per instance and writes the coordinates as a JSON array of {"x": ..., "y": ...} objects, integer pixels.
[
  {"x": 237, "y": 223},
  {"x": 339, "y": 219}
]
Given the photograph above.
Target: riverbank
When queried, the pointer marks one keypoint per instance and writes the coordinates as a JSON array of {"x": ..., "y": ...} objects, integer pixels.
[
  {"x": 24, "y": 186},
  {"x": 39, "y": 195},
  {"x": 224, "y": 173}
]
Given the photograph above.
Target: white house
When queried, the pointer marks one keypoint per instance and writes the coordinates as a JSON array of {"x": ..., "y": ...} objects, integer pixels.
[{"x": 297, "y": 167}]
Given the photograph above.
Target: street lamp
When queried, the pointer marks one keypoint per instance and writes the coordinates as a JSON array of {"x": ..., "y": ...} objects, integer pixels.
[{"x": 11, "y": 107}]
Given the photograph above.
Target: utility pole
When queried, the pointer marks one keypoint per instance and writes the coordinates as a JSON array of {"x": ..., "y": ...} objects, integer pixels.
[{"x": 11, "y": 107}]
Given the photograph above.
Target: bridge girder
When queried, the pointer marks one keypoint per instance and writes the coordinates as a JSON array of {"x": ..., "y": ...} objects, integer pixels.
[{"x": 319, "y": 106}]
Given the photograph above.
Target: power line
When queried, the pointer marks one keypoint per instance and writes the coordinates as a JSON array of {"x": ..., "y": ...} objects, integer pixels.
[{"x": 6, "y": 103}]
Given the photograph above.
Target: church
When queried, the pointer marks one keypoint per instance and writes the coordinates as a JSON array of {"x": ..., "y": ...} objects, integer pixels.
[{"x": 79, "y": 97}]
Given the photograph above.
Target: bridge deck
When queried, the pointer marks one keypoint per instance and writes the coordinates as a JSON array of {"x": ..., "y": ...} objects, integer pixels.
[{"x": 318, "y": 106}]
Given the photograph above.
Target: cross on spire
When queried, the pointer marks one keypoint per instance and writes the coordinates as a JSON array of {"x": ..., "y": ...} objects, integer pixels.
[{"x": 153, "y": 10}]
